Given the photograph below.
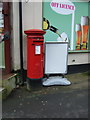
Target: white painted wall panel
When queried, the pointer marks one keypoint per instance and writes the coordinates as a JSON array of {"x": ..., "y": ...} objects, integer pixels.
[
  {"x": 78, "y": 58},
  {"x": 15, "y": 46}
]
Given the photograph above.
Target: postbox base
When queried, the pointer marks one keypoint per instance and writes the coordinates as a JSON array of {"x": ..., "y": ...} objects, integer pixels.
[
  {"x": 31, "y": 83},
  {"x": 34, "y": 79}
]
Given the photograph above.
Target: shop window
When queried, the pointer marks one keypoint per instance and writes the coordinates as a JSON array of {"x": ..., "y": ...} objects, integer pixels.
[{"x": 62, "y": 22}]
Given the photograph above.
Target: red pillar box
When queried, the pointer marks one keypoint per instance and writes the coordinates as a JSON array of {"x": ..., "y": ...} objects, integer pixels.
[{"x": 35, "y": 53}]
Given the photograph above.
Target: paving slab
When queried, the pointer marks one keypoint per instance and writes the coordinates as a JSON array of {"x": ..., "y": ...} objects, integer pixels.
[{"x": 49, "y": 102}]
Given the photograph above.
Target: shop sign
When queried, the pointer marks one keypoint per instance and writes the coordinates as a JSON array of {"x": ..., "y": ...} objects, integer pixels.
[{"x": 64, "y": 7}]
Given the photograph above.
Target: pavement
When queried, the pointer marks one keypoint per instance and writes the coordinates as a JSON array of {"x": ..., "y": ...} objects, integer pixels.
[{"x": 50, "y": 102}]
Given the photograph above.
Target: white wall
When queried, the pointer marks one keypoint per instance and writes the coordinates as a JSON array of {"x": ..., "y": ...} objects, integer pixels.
[
  {"x": 78, "y": 58},
  {"x": 32, "y": 19}
]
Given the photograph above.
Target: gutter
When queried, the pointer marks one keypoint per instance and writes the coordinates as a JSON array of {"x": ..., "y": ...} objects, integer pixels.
[{"x": 21, "y": 45}]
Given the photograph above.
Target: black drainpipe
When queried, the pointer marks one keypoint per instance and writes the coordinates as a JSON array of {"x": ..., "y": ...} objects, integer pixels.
[{"x": 21, "y": 45}]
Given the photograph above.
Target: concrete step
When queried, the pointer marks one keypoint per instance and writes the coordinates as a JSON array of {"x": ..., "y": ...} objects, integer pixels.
[
  {"x": 7, "y": 84},
  {"x": 1, "y": 83},
  {"x": 1, "y": 89},
  {"x": 2, "y": 92}
]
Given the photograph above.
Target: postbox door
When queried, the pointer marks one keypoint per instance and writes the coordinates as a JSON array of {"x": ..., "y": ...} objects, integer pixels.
[
  {"x": 35, "y": 59},
  {"x": 39, "y": 62}
]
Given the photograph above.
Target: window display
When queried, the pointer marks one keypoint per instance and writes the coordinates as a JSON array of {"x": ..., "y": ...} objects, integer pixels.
[{"x": 72, "y": 18}]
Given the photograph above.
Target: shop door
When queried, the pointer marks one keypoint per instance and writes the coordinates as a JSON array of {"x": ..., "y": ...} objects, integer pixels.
[{"x": 5, "y": 63}]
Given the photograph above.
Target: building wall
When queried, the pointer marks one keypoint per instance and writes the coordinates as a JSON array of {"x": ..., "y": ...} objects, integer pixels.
[{"x": 32, "y": 19}]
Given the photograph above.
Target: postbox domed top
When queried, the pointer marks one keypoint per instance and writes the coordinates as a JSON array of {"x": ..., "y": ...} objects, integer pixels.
[{"x": 34, "y": 32}]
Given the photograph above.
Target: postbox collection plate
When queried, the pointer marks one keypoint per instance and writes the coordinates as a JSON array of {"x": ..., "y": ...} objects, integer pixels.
[{"x": 37, "y": 49}]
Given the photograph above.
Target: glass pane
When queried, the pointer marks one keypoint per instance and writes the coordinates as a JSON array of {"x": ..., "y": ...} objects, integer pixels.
[
  {"x": 2, "y": 60},
  {"x": 64, "y": 23}
]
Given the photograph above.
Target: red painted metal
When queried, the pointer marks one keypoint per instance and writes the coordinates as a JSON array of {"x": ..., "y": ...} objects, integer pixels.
[{"x": 35, "y": 59}]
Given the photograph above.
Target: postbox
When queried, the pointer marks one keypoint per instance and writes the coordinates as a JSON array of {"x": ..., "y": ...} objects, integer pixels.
[{"x": 35, "y": 53}]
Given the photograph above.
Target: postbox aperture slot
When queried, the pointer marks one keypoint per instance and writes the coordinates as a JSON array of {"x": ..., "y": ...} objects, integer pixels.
[
  {"x": 37, "y": 41},
  {"x": 33, "y": 44}
]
